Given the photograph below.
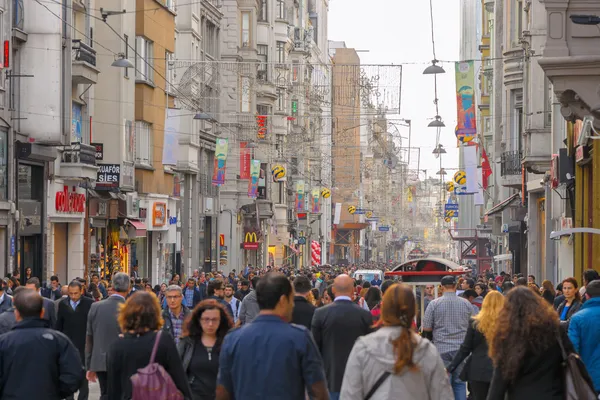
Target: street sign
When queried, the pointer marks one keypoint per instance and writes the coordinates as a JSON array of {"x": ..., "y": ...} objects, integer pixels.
[
  {"x": 451, "y": 207},
  {"x": 384, "y": 229},
  {"x": 301, "y": 240}
]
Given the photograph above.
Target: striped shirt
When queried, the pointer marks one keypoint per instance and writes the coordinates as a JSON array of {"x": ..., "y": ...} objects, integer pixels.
[{"x": 448, "y": 316}]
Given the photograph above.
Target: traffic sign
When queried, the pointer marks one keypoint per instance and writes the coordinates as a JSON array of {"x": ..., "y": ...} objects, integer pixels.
[{"x": 451, "y": 207}]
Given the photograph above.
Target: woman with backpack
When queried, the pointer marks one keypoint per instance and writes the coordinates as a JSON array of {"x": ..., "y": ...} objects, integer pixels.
[
  {"x": 144, "y": 346},
  {"x": 203, "y": 334},
  {"x": 394, "y": 361},
  {"x": 526, "y": 351}
]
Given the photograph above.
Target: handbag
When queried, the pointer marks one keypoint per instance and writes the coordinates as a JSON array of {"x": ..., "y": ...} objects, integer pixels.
[
  {"x": 153, "y": 382},
  {"x": 464, "y": 374},
  {"x": 381, "y": 379},
  {"x": 578, "y": 385}
]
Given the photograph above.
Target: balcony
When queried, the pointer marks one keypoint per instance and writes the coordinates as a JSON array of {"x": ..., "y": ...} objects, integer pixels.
[
  {"x": 84, "y": 64},
  {"x": 511, "y": 169},
  {"x": 571, "y": 56},
  {"x": 78, "y": 162}
]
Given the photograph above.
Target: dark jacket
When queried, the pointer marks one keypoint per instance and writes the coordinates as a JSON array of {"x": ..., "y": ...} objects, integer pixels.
[
  {"x": 240, "y": 294},
  {"x": 199, "y": 295},
  {"x": 540, "y": 377},
  {"x": 303, "y": 312},
  {"x": 480, "y": 367},
  {"x": 558, "y": 300},
  {"x": 6, "y": 303},
  {"x": 7, "y": 320},
  {"x": 575, "y": 306},
  {"x": 74, "y": 323},
  {"x": 132, "y": 352},
  {"x": 37, "y": 361},
  {"x": 335, "y": 328},
  {"x": 549, "y": 297},
  {"x": 203, "y": 381},
  {"x": 166, "y": 314},
  {"x": 47, "y": 293},
  {"x": 223, "y": 303},
  {"x": 50, "y": 312}
]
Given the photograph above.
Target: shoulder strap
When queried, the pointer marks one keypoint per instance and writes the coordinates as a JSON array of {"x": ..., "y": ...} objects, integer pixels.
[
  {"x": 381, "y": 379},
  {"x": 155, "y": 348}
]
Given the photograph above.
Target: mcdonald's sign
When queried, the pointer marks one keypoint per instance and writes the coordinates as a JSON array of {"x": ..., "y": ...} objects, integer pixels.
[{"x": 250, "y": 241}]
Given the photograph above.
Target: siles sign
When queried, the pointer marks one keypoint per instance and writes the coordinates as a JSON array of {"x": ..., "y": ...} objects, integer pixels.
[{"x": 69, "y": 202}]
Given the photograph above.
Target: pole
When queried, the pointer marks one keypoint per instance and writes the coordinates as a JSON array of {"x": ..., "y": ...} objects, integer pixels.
[{"x": 409, "y": 139}]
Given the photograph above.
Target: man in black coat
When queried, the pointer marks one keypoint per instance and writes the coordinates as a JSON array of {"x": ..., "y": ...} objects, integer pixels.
[
  {"x": 72, "y": 321},
  {"x": 5, "y": 299},
  {"x": 49, "y": 307},
  {"x": 303, "y": 310},
  {"x": 37, "y": 362},
  {"x": 336, "y": 327},
  {"x": 53, "y": 292}
]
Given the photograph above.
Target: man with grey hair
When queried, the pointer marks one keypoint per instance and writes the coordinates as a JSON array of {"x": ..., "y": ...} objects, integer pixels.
[
  {"x": 175, "y": 313},
  {"x": 103, "y": 330}
]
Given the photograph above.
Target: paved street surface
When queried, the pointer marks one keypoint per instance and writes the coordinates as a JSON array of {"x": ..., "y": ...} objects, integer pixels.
[{"x": 94, "y": 391}]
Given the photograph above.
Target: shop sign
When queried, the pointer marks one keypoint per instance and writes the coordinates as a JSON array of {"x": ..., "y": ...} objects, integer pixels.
[
  {"x": 99, "y": 151},
  {"x": 172, "y": 220},
  {"x": 69, "y": 202},
  {"x": 250, "y": 241},
  {"x": 143, "y": 213},
  {"x": 108, "y": 176},
  {"x": 159, "y": 214},
  {"x": 582, "y": 155}
]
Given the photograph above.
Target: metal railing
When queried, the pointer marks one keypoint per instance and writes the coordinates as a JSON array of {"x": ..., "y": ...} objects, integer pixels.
[
  {"x": 79, "y": 153},
  {"x": 510, "y": 163},
  {"x": 83, "y": 52}
]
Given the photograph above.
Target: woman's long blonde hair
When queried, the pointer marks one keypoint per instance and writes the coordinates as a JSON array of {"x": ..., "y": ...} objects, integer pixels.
[{"x": 487, "y": 317}]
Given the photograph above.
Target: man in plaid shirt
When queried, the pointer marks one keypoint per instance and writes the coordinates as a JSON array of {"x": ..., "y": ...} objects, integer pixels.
[
  {"x": 445, "y": 323},
  {"x": 175, "y": 313}
]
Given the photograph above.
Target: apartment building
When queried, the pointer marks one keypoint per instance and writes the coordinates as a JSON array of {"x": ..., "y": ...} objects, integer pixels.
[
  {"x": 55, "y": 165},
  {"x": 265, "y": 115}
]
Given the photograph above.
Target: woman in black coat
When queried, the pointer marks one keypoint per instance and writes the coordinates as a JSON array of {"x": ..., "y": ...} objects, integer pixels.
[
  {"x": 525, "y": 349},
  {"x": 478, "y": 369},
  {"x": 140, "y": 319},
  {"x": 199, "y": 349}
]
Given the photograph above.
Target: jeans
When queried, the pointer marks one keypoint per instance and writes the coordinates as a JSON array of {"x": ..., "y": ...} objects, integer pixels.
[
  {"x": 334, "y": 396},
  {"x": 458, "y": 387}
]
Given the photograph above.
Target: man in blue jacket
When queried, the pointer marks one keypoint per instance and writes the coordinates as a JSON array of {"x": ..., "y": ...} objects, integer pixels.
[{"x": 584, "y": 332}]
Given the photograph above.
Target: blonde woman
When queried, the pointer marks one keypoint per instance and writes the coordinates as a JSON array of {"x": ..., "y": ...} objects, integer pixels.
[{"x": 478, "y": 369}]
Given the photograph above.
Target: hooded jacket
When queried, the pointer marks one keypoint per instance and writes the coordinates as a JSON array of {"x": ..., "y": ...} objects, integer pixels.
[{"x": 373, "y": 354}]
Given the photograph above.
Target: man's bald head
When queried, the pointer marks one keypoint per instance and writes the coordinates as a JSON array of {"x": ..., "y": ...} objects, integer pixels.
[
  {"x": 64, "y": 290},
  {"x": 343, "y": 285},
  {"x": 28, "y": 304}
]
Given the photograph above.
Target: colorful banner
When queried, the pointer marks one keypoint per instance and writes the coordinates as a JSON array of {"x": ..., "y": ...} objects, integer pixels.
[
  {"x": 465, "y": 100},
  {"x": 245, "y": 157},
  {"x": 315, "y": 204},
  {"x": 300, "y": 200},
  {"x": 220, "y": 162},
  {"x": 254, "y": 176},
  {"x": 261, "y": 121}
]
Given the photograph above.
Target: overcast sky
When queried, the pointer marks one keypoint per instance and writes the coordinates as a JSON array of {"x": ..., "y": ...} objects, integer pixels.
[{"x": 399, "y": 32}]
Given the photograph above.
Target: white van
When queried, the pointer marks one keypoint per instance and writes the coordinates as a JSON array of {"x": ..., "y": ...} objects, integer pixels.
[{"x": 368, "y": 274}]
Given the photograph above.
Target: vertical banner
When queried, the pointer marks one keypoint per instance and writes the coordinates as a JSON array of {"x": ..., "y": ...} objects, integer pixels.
[
  {"x": 220, "y": 162},
  {"x": 486, "y": 168},
  {"x": 316, "y": 196},
  {"x": 470, "y": 160},
  {"x": 245, "y": 157},
  {"x": 478, "y": 198},
  {"x": 254, "y": 176},
  {"x": 465, "y": 101},
  {"x": 261, "y": 121},
  {"x": 337, "y": 214},
  {"x": 300, "y": 201}
]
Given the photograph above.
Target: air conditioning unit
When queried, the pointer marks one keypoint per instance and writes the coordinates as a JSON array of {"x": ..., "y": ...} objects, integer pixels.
[{"x": 133, "y": 205}]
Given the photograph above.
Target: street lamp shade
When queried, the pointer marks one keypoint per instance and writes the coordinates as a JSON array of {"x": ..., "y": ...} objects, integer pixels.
[
  {"x": 439, "y": 149},
  {"x": 437, "y": 122},
  {"x": 441, "y": 172},
  {"x": 434, "y": 69},
  {"x": 122, "y": 62},
  {"x": 204, "y": 117}
]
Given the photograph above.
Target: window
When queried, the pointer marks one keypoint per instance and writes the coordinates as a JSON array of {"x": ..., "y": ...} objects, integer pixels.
[
  {"x": 281, "y": 52},
  {"x": 517, "y": 119},
  {"x": 280, "y": 100},
  {"x": 211, "y": 42},
  {"x": 548, "y": 96},
  {"x": 281, "y": 9},
  {"x": 143, "y": 143},
  {"x": 262, "y": 10},
  {"x": 262, "y": 109},
  {"x": 263, "y": 59},
  {"x": 170, "y": 68},
  {"x": 246, "y": 37},
  {"x": 516, "y": 22},
  {"x": 126, "y": 39},
  {"x": 246, "y": 101},
  {"x": 144, "y": 59}
]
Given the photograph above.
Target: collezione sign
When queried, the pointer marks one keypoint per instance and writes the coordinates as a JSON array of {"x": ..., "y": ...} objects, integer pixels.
[{"x": 69, "y": 202}]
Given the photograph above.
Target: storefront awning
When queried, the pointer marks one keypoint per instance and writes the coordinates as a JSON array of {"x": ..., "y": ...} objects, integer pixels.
[
  {"x": 138, "y": 226},
  {"x": 503, "y": 257},
  {"x": 501, "y": 206}
]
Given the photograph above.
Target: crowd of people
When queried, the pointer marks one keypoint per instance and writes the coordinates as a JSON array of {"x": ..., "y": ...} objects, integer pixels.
[{"x": 280, "y": 333}]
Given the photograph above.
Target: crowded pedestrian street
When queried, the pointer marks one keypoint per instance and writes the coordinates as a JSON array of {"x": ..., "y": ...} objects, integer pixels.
[{"x": 299, "y": 200}]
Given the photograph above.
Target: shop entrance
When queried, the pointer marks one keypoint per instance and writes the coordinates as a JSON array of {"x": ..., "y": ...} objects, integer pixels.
[
  {"x": 31, "y": 255},
  {"x": 61, "y": 251}
]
